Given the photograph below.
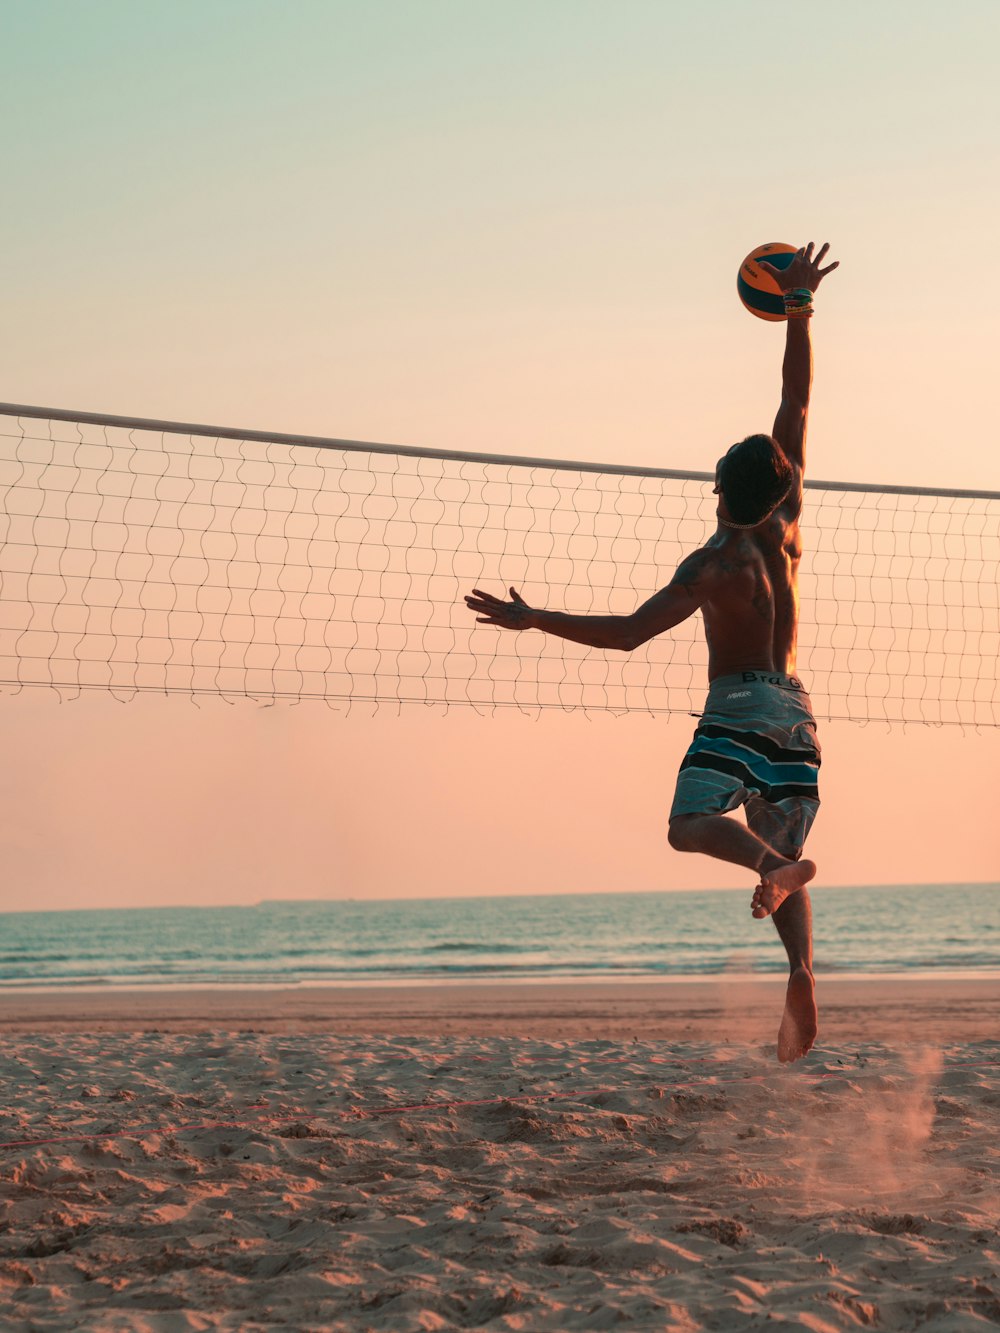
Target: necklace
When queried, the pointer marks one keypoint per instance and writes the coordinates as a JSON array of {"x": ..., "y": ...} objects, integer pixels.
[{"x": 742, "y": 527}]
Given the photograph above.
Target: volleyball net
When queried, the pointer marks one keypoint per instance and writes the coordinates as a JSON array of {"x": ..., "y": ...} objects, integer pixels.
[{"x": 145, "y": 556}]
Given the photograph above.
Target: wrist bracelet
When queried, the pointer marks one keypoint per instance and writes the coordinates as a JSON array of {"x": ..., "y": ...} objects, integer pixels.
[{"x": 798, "y": 302}]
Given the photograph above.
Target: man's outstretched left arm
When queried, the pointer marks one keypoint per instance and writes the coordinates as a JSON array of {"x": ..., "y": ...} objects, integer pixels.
[{"x": 682, "y": 596}]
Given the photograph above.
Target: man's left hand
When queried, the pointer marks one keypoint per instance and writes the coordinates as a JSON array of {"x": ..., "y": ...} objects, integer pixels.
[{"x": 492, "y": 610}]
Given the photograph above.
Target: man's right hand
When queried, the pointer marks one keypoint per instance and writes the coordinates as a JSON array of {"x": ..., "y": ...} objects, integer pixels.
[{"x": 803, "y": 271}]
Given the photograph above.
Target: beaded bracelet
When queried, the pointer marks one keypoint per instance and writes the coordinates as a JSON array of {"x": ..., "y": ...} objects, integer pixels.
[{"x": 798, "y": 302}]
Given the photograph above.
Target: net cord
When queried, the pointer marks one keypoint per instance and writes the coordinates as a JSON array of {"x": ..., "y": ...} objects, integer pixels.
[{"x": 455, "y": 455}]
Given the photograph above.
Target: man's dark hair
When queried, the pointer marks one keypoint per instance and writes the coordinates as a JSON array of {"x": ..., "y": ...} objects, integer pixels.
[{"x": 755, "y": 476}]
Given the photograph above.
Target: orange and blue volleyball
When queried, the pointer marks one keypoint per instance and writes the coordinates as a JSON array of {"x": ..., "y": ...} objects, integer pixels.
[{"x": 758, "y": 290}]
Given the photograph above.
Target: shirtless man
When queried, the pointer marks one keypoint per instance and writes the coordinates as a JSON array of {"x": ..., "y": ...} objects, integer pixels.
[{"x": 756, "y": 743}]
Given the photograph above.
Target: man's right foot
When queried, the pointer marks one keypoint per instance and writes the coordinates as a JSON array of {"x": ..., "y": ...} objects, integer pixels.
[
  {"x": 776, "y": 885},
  {"x": 799, "y": 1021}
]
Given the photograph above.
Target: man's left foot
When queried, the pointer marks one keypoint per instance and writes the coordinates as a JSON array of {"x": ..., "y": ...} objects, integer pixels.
[
  {"x": 776, "y": 885},
  {"x": 799, "y": 1021}
]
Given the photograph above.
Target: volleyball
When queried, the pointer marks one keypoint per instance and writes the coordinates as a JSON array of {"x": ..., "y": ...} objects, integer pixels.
[{"x": 757, "y": 288}]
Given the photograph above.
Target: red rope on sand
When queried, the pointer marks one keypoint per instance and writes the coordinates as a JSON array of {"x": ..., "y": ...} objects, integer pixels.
[{"x": 374, "y": 1112}]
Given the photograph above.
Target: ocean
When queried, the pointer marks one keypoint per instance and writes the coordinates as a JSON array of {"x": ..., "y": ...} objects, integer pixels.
[{"x": 903, "y": 930}]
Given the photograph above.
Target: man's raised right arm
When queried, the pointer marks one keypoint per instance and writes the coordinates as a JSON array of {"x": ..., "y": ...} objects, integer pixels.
[
  {"x": 796, "y": 384},
  {"x": 803, "y": 272}
]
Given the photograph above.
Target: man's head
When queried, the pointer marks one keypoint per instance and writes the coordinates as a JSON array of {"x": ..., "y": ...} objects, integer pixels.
[{"x": 753, "y": 478}]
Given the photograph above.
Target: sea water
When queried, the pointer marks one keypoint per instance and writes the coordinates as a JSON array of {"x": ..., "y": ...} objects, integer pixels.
[{"x": 602, "y": 936}]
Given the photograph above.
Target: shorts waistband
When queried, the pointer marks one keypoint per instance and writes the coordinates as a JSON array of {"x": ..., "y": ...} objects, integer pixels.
[{"x": 747, "y": 679}]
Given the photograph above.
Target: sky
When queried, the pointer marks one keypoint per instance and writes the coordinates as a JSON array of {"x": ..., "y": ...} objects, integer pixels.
[{"x": 510, "y": 228}]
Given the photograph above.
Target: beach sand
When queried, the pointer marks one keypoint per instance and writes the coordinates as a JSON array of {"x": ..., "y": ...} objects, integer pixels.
[{"x": 552, "y": 1157}]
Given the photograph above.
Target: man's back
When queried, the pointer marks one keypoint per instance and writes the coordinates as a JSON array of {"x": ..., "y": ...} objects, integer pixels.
[{"x": 751, "y": 612}]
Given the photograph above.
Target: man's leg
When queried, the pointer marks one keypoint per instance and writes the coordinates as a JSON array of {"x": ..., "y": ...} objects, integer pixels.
[
  {"x": 800, "y": 1020},
  {"x": 793, "y": 922},
  {"x": 728, "y": 840}
]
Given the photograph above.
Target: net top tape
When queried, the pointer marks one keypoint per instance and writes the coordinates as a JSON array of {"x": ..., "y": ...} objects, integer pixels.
[{"x": 456, "y": 455}]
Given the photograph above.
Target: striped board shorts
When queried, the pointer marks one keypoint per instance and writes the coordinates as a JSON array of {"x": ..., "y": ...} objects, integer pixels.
[{"x": 755, "y": 746}]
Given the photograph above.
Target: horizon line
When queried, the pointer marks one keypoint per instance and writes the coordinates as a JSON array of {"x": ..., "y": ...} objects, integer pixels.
[{"x": 485, "y": 897}]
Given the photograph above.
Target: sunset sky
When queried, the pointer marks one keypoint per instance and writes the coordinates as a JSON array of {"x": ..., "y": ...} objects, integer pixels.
[{"x": 493, "y": 227}]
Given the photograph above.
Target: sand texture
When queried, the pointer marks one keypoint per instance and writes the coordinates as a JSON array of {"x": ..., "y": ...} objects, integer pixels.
[
  {"x": 726, "y": 1008},
  {"x": 250, "y": 1180}
]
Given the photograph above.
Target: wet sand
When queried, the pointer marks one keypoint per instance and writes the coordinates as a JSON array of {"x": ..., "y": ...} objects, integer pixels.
[{"x": 721, "y": 1008}]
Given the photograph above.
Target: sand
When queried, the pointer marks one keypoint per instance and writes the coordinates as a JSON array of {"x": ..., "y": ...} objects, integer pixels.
[{"x": 534, "y": 1158}]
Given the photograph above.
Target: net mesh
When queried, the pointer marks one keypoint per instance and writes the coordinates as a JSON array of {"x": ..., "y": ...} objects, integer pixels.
[{"x": 172, "y": 560}]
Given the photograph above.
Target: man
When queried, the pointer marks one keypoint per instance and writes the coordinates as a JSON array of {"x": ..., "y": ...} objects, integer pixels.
[{"x": 755, "y": 744}]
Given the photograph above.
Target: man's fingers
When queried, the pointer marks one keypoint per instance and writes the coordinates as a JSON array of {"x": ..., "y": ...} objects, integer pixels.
[
  {"x": 494, "y": 610},
  {"x": 808, "y": 253},
  {"x": 829, "y": 268},
  {"x": 823, "y": 250}
]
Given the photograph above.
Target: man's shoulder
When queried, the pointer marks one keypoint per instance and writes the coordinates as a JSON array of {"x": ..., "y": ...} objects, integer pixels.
[
  {"x": 791, "y": 506},
  {"x": 699, "y": 568}
]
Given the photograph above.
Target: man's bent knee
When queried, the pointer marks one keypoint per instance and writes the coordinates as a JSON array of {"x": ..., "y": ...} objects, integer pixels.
[{"x": 681, "y": 832}]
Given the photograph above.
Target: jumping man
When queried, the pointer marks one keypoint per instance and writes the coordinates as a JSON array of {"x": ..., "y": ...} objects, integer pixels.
[{"x": 755, "y": 745}]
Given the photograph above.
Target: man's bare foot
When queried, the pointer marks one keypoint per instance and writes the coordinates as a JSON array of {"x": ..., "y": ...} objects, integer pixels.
[
  {"x": 776, "y": 885},
  {"x": 799, "y": 1021}
]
